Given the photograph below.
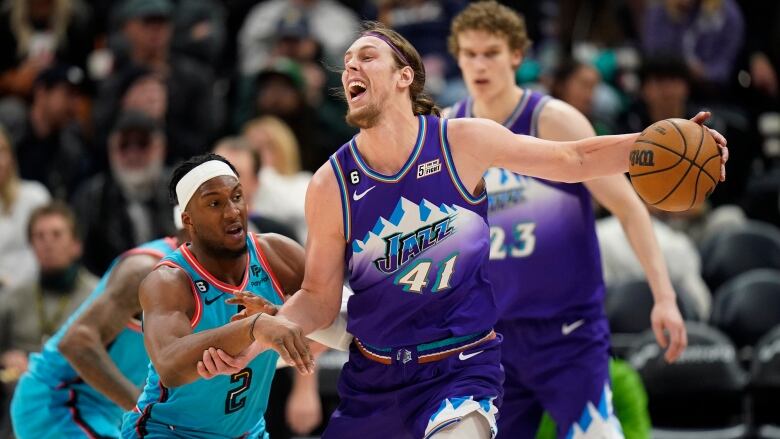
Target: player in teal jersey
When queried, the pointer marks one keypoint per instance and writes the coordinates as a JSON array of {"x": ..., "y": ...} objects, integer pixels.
[
  {"x": 185, "y": 314},
  {"x": 91, "y": 370}
]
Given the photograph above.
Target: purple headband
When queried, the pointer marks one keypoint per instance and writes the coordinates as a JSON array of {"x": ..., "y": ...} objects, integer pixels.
[{"x": 389, "y": 43}]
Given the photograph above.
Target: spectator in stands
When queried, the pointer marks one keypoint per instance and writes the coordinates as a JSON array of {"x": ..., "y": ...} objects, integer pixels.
[
  {"x": 192, "y": 111},
  {"x": 33, "y": 311},
  {"x": 283, "y": 185},
  {"x": 280, "y": 93},
  {"x": 36, "y": 34},
  {"x": 707, "y": 34},
  {"x": 575, "y": 83},
  {"x": 620, "y": 265},
  {"x": 18, "y": 198},
  {"x": 762, "y": 47},
  {"x": 246, "y": 160},
  {"x": 330, "y": 23},
  {"x": 127, "y": 205},
  {"x": 50, "y": 147},
  {"x": 199, "y": 32}
]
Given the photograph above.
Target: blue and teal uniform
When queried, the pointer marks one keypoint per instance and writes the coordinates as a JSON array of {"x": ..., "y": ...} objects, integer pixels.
[
  {"x": 224, "y": 406},
  {"x": 52, "y": 401}
]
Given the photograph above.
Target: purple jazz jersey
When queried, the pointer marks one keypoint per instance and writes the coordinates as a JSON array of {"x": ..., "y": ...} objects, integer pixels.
[
  {"x": 544, "y": 254},
  {"x": 417, "y": 246}
]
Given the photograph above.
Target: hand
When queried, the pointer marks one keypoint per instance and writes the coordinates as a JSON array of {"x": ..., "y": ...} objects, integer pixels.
[
  {"x": 666, "y": 317},
  {"x": 218, "y": 362},
  {"x": 286, "y": 338},
  {"x": 252, "y": 304},
  {"x": 304, "y": 410},
  {"x": 702, "y": 117}
]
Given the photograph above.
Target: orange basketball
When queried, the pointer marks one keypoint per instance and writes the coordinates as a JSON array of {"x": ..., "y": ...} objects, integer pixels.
[{"x": 675, "y": 164}]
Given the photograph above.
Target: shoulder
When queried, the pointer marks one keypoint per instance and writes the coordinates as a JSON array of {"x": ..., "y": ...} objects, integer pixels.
[
  {"x": 467, "y": 129},
  {"x": 324, "y": 181},
  {"x": 136, "y": 265},
  {"x": 560, "y": 121},
  {"x": 34, "y": 192},
  {"x": 282, "y": 247}
]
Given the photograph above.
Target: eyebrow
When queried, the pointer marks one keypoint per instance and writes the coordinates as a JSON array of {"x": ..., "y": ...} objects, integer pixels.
[{"x": 361, "y": 48}]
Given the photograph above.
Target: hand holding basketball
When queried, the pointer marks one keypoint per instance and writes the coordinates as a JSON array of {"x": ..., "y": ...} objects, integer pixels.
[{"x": 675, "y": 164}]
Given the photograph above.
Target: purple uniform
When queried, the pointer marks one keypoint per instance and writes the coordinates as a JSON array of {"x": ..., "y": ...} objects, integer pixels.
[
  {"x": 545, "y": 268},
  {"x": 423, "y": 311}
]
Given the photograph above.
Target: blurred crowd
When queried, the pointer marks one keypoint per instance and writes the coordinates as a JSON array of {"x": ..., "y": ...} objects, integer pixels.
[{"x": 100, "y": 98}]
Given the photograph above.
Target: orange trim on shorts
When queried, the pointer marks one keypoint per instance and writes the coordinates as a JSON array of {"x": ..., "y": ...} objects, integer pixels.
[{"x": 371, "y": 355}]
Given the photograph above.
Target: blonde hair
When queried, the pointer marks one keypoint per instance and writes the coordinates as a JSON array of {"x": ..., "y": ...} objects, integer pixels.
[
  {"x": 491, "y": 17},
  {"x": 9, "y": 188},
  {"x": 23, "y": 30},
  {"x": 283, "y": 139}
]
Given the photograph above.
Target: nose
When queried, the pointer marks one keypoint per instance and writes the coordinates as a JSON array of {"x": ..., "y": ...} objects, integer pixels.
[{"x": 351, "y": 64}]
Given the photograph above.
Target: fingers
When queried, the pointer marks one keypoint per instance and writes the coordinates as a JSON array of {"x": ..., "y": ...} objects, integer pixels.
[
  {"x": 239, "y": 315},
  {"x": 229, "y": 360},
  {"x": 701, "y": 117},
  {"x": 660, "y": 337},
  {"x": 205, "y": 374},
  {"x": 208, "y": 362},
  {"x": 283, "y": 352},
  {"x": 303, "y": 347},
  {"x": 299, "y": 358},
  {"x": 679, "y": 342}
]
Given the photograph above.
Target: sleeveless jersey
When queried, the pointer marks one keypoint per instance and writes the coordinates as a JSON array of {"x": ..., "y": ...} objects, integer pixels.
[
  {"x": 544, "y": 253},
  {"x": 417, "y": 246},
  {"x": 126, "y": 351},
  {"x": 224, "y": 406}
]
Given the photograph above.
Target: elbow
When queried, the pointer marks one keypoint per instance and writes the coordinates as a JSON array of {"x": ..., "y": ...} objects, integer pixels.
[
  {"x": 169, "y": 375},
  {"x": 76, "y": 342}
]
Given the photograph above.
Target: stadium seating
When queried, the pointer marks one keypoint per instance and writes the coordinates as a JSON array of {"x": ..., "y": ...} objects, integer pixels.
[
  {"x": 733, "y": 252},
  {"x": 765, "y": 385},
  {"x": 700, "y": 395},
  {"x": 748, "y": 306}
]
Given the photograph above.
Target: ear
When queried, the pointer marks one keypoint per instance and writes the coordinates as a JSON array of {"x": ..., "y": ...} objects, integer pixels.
[
  {"x": 407, "y": 77},
  {"x": 516, "y": 57},
  {"x": 186, "y": 219}
]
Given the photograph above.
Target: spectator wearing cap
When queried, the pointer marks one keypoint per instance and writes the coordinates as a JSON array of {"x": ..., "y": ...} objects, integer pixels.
[
  {"x": 36, "y": 34},
  {"x": 193, "y": 113},
  {"x": 49, "y": 144},
  {"x": 279, "y": 92},
  {"x": 128, "y": 204},
  {"x": 330, "y": 23}
]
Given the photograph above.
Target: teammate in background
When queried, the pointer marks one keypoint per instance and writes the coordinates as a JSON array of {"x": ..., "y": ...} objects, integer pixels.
[
  {"x": 91, "y": 370},
  {"x": 425, "y": 361},
  {"x": 545, "y": 265},
  {"x": 185, "y": 314}
]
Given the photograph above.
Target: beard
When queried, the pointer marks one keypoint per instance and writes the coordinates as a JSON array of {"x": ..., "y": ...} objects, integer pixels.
[
  {"x": 366, "y": 117},
  {"x": 138, "y": 184}
]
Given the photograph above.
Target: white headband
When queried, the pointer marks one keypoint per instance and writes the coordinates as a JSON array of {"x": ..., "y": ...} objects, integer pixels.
[
  {"x": 198, "y": 175},
  {"x": 177, "y": 217}
]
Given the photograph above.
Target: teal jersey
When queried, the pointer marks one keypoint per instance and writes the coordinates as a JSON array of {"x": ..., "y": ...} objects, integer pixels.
[
  {"x": 224, "y": 406},
  {"x": 126, "y": 350}
]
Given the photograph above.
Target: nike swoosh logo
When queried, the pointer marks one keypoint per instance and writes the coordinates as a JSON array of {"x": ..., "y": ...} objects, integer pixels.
[
  {"x": 214, "y": 299},
  {"x": 464, "y": 357},
  {"x": 568, "y": 329},
  {"x": 357, "y": 196}
]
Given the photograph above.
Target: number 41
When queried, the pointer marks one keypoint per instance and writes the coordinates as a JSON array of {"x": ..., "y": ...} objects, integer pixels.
[{"x": 415, "y": 277}]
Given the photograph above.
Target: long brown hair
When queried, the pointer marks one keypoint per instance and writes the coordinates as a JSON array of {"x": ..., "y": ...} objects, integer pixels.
[
  {"x": 421, "y": 102},
  {"x": 9, "y": 187}
]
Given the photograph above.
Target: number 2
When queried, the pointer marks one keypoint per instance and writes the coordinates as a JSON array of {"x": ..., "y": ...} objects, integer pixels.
[
  {"x": 522, "y": 245},
  {"x": 232, "y": 402}
]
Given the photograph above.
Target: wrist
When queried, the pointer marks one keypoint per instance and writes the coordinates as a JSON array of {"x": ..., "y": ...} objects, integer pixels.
[{"x": 253, "y": 325}]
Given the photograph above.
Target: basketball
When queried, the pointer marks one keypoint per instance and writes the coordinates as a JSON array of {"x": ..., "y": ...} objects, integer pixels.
[{"x": 674, "y": 164}]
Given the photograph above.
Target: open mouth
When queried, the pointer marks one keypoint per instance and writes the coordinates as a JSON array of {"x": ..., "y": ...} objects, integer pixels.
[
  {"x": 234, "y": 230},
  {"x": 356, "y": 89}
]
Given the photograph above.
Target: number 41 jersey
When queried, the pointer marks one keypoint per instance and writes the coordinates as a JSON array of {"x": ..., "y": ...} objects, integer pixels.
[{"x": 417, "y": 246}]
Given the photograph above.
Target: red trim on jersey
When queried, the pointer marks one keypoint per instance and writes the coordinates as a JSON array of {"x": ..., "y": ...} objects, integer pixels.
[
  {"x": 227, "y": 288},
  {"x": 134, "y": 325},
  {"x": 198, "y": 305},
  {"x": 267, "y": 266},
  {"x": 74, "y": 413}
]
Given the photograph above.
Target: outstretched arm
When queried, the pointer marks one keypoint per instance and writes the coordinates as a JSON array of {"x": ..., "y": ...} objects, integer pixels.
[
  {"x": 561, "y": 122},
  {"x": 169, "y": 306},
  {"x": 85, "y": 343},
  {"x": 317, "y": 304},
  {"x": 478, "y": 144}
]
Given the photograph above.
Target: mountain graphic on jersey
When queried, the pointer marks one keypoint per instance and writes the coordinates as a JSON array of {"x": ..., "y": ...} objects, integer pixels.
[
  {"x": 412, "y": 231},
  {"x": 505, "y": 188}
]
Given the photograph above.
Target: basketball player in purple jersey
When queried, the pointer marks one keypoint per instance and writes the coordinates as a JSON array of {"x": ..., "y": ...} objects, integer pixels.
[
  {"x": 545, "y": 265},
  {"x": 401, "y": 209}
]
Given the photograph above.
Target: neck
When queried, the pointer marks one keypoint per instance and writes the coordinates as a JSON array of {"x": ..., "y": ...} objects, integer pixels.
[
  {"x": 39, "y": 122},
  {"x": 498, "y": 107},
  {"x": 59, "y": 280},
  {"x": 387, "y": 145},
  {"x": 229, "y": 269}
]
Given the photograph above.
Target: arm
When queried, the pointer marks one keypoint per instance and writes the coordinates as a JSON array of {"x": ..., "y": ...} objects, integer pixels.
[
  {"x": 318, "y": 302},
  {"x": 560, "y": 121},
  {"x": 168, "y": 305},
  {"x": 85, "y": 343}
]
